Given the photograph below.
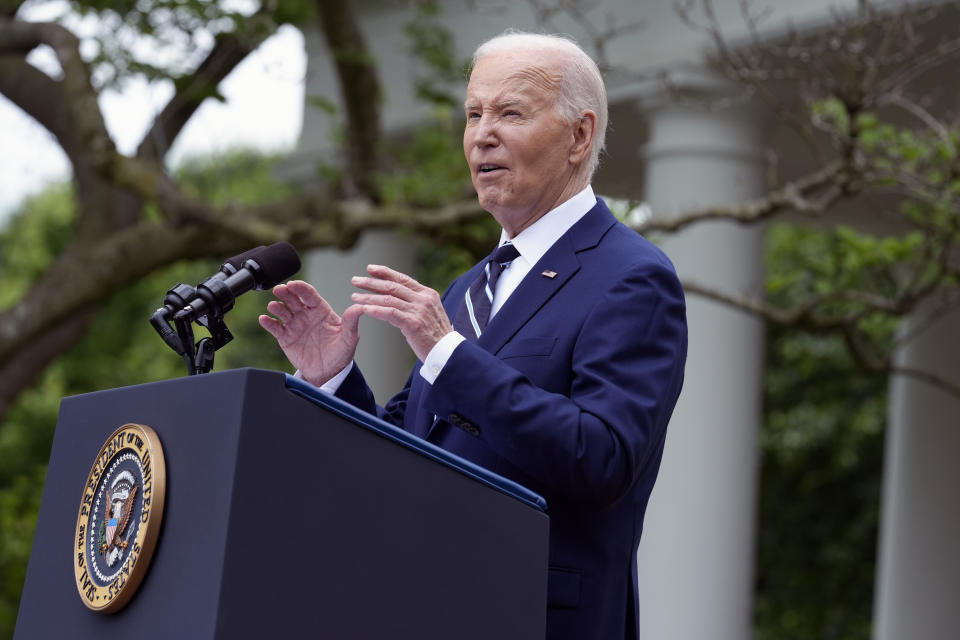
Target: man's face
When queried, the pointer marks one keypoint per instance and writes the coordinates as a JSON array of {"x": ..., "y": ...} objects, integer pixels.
[{"x": 517, "y": 145}]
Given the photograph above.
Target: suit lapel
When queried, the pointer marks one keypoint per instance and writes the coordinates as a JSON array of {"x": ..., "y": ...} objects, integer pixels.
[
  {"x": 532, "y": 293},
  {"x": 536, "y": 288}
]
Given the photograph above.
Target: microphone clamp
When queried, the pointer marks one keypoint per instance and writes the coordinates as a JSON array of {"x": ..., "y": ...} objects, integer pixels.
[{"x": 206, "y": 304}]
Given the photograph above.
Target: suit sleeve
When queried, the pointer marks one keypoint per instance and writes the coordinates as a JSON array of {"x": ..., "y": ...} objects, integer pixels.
[
  {"x": 593, "y": 442},
  {"x": 355, "y": 391}
]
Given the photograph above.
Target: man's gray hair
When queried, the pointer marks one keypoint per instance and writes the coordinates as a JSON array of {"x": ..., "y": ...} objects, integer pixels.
[{"x": 581, "y": 88}]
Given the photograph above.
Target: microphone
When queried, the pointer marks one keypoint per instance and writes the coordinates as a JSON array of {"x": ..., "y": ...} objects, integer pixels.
[{"x": 259, "y": 268}]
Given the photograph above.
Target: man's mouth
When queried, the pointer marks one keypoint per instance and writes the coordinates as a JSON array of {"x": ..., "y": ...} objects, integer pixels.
[{"x": 488, "y": 168}]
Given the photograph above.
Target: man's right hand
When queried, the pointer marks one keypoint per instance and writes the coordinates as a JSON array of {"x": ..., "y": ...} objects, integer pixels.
[{"x": 314, "y": 338}]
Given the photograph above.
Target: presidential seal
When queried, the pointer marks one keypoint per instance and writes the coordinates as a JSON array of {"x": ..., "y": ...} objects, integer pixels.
[{"x": 119, "y": 518}]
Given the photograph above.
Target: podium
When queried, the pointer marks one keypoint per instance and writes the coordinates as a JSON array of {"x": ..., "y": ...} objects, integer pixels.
[{"x": 289, "y": 513}]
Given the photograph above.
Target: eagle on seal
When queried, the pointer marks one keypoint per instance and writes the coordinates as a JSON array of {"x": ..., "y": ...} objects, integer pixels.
[{"x": 119, "y": 514}]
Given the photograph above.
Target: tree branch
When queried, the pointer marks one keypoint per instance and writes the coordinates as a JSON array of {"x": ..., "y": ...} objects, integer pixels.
[
  {"x": 68, "y": 108},
  {"x": 118, "y": 246},
  {"x": 811, "y": 195},
  {"x": 356, "y": 73},
  {"x": 229, "y": 50},
  {"x": 19, "y": 37},
  {"x": 36, "y": 94},
  {"x": 925, "y": 376},
  {"x": 87, "y": 272},
  {"x": 27, "y": 363}
]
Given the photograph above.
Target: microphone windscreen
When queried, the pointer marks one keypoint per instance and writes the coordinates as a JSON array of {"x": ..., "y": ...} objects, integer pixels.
[
  {"x": 278, "y": 262},
  {"x": 237, "y": 261}
]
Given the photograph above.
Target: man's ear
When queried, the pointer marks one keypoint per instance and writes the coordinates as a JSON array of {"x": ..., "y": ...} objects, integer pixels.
[{"x": 584, "y": 130}]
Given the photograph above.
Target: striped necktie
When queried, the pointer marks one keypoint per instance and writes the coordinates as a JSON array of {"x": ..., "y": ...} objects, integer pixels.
[{"x": 474, "y": 313}]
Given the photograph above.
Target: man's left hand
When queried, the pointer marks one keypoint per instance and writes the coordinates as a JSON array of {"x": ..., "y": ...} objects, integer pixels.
[{"x": 413, "y": 308}]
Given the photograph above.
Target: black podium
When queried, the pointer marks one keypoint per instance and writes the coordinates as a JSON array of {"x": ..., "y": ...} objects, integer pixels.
[{"x": 291, "y": 514}]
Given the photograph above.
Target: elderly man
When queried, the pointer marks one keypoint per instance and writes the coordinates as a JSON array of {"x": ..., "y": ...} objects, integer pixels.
[{"x": 555, "y": 362}]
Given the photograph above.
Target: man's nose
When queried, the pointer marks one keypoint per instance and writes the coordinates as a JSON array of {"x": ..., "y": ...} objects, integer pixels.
[{"x": 486, "y": 132}]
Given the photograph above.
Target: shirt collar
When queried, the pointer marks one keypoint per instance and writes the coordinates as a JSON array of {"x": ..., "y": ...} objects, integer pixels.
[{"x": 535, "y": 240}]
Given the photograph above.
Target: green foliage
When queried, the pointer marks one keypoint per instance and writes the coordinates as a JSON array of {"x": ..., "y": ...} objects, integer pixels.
[
  {"x": 121, "y": 348},
  {"x": 427, "y": 166},
  {"x": 155, "y": 38},
  {"x": 19, "y": 504},
  {"x": 822, "y": 445},
  {"x": 29, "y": 243},
  {"x": 822, "y": 438},
  {"x": 433, "y": 46},
  {"x": 832, "y": 264},
  {"x": 894, "y": 150},
  {"x": 242, "y": 176},
  {"x": 168, "y": 38},
  {"x": 832, "y": 115},
  {"x": 852, "y": 277}
]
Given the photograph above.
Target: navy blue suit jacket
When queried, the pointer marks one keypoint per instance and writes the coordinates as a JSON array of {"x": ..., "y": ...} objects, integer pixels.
[{"x": 568, "y": 392}]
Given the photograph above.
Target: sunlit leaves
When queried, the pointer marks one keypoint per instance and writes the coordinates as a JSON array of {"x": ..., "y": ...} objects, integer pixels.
[
  {"x": 168, "y": 38},
  {"x": 156, "y": 38}
]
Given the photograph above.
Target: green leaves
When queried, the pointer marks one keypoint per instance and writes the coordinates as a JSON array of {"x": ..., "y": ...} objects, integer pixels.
[
  {"x": 846, "y": 282},
  {"x": 432, "y": 45},
  {"x": 161, "y": 39},
  {"x": 427, "y": 166},
  {"x": 19, "y": 505},
  {"x": 238, "y": 176},
  {"x": 846, "y": 289},
  {"x": 831, "y": 114},
  {"x": 822, "y": 447}
]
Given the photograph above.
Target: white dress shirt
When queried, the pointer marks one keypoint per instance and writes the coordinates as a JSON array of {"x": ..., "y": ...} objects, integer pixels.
[{"x": 531, "y": 243}]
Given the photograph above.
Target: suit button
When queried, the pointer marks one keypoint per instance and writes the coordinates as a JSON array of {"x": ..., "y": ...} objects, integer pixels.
[{"x": 466, "y": 425}]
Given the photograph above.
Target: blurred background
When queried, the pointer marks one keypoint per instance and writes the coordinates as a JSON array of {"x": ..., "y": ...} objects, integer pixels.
[{"x": 797, "y": 161}]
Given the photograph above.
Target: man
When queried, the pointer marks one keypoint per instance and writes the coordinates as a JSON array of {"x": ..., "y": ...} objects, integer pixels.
[{"x": 569, "y": 388}]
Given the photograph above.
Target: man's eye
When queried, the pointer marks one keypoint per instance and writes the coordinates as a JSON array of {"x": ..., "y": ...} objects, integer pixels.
[
  {"x": 511, "y": 113},
  {"x": 473, "y": 115}
]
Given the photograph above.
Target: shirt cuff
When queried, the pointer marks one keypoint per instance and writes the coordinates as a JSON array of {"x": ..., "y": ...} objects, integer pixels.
[
  {"x": 436, "y": 360},
  {"x": 333, "y": 384}
]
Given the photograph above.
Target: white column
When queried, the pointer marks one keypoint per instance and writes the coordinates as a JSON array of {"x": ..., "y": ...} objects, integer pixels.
[
  {"x": 697, "y": 551},
  {"x": 918, "y": 577}
]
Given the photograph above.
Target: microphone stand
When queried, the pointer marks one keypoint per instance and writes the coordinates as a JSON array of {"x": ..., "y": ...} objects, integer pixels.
[
  {"x": 198, "y": 356},
  {"x": 206, "y": 347}
]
